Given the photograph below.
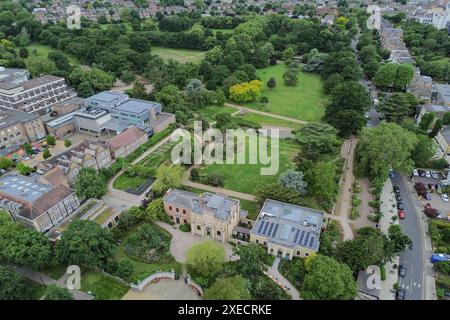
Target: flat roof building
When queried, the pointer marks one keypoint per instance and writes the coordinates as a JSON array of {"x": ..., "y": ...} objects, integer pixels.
[{"x": 287, "y": 230}]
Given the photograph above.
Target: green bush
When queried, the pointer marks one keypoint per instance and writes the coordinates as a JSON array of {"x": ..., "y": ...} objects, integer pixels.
[
  {"x": 382, "y": 272},
  {"x": 124, "y": 269},
  {"x": 439, "y": 164},
  {"x": 185, "y": 227}
]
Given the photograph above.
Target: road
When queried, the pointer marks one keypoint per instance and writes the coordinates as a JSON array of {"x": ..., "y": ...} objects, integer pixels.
[{"x": 413, "y": 258}]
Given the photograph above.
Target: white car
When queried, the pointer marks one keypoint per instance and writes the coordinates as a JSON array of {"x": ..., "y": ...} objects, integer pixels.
[
  {"x": 435, "y": 175},
  {"x": 415, "y": 173},
  {"x": 427, "y": 174},
  {"x": 444, "y": 197}
]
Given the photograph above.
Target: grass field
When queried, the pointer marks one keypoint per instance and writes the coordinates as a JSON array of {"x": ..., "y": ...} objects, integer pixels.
[
  {"x": 180, "y": 55},
  {"x": 124, "y": 182},
  {"x": 43, "y": 51},
  {"x": 269, "y": 121},
  {"x": 210, "y": 112},
  {"x": 102, "y": 287},
  {"x": 306, "y": 101},
  {"x": 247, "y": 178},
  {"x": 224, "y": 31}
]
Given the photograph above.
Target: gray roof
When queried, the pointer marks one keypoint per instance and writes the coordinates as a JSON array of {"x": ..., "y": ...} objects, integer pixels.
[
  {"x": 11, "y": 117},
  {"x": 289, "y": 225},
  {"x": 23, "y": 188},
  {"x": 445, "y": 132},
  {"x": 436, "y": 108},
  {"x": 108, "y": 96},
  {"x": 138, "y": 106},
  {"x": 444, "y": 91},
  {"x": 182, "y": 198}
]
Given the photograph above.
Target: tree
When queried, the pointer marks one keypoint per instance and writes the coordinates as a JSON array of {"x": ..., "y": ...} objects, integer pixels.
[
  {"x": 348, "y": 95},
  {"x": 56, "y": 293},
  {"x": 398, "y": 241},
  {"x": 125, "y": 268},
  {"x": 293, "y": 180},
  {"x": 290, "y": 77},
  {"x": 205, "y": 260},
  {"x": 327, "y": 279},
  {"x": 67, "y": 143},
  {"x": 224, "y": 121},
  {"x": 246, "y": 91},
  {"x": 29, "y": 248},
  {"x": 90, "y": 184},
  {"x": 394, "y": 75},
  {"x": 322, "y": 183},
  {"x": 398, "y": 106},
  {"x": 85, "y": 243},
  {"x": 348, "y": 122},
  {"x": 167, "y": 177},
  {"x": 13, "y": 285},
  {"x": 426, "y": 121},
  {"x": 51, "y": 140},
  {"x": 38, "y": 66},
  {"x": 446, "y": 118},
  {"x": 288, "y": 54},
  {"x": 253, "y": 259},
  {"x": 276, "y": 192},
  {"x": 24, "y": 169},
  {"x": 60, "y": 60},
  {"x": 6, "y": 163},
  {"x": 264, "y": 100},
  {"x": 46, "y": 154},
  {"x": 271, "y": 83},
  {"x": 374, "y": 157},
  {"x": 405, "y": 73},
  {"x": 424, "y": 150},
  {"x": 28, "y": 148},
  {"x": 232, "y": 288},
  {"x": 362, "y": 251},
  {"x": 155, "y": 211},
  {"x": 316, "y": 139}
]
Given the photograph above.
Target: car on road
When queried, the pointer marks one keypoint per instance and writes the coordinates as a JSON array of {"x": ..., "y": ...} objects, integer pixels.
[
  {"x": 427, "y": 196},
  {"x": 3, "y": 171},
  {"x": 396, "y": 190},
  {"x": 415, "y": 173},
  {"x": 444, "y": 197},
  {"x": 427, "y": 174},
  {"x": 400, "y": 294},
  {"x": 400, "y": 206},
  {"x": 434, "y": 174},
  {"x": 401, "y": 214},
  {"x": 391, "y": 174},
  {"x": 402, "y": 270},
  {"x": 398, "y": 197},
  {"x": 421, "y": 173}
]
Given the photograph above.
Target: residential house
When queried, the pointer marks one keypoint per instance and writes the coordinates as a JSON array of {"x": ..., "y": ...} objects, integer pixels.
[
  {"x": 287, "y": 230},
  {"x": 442, "y": 93},
  {"x": 36, "y": 205},
  {"x": 126, "y": 142},
  {"x": 443, "y": 140}
]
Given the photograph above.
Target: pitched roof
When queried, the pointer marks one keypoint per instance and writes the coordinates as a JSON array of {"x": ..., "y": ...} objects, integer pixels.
[
  {"x": 125, "y": 138},
  {"x": 55, "y": 177}
]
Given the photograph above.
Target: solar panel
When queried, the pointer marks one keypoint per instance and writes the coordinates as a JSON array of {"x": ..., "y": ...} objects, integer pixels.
[
  {"x": 296, "y": 235},
  {"x": 265, "y": 228},
  {"x": 311, "y": 242},
  {"x": 275, "y": 230},
  {"x": 302, "y": 236},
  {"x": 270, "y": 229},
  {"x": 261, "y": 226},
  {"x": 306, "y": 239}
]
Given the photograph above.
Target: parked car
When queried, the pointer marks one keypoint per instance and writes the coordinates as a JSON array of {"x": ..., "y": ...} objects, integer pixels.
[
  {"x": 439, "y": 257},
  {"x": 427, "y": 174},
  {"x": 3, "y": 171},
  {"x": 26, "y": 158},
  {"x": 444, "y": 197},
  {"x": 434, "y": 174},
  {"x": 401, "y": 214},
  {"x": 402, "y": 270},
  {"x": 400, "y": 294},
  {"x": 427, "y": 196},
  {"x": 415, "y": 173},
  {"x": 391, "y": 174},
  {"x": 398, "y": 197},
  {"x": 400, "y": 205},
  {"x": 396, "y": 190},
  {"x": 421, "y": 173}
]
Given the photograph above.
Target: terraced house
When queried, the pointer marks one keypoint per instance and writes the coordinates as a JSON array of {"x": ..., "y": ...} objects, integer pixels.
[
  {"x": 210, "y": 215},
  {"x": 287, "y": 230}
]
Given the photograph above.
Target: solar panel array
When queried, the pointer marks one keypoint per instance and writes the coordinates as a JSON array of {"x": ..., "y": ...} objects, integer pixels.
[{"x": 301, "y": 237}]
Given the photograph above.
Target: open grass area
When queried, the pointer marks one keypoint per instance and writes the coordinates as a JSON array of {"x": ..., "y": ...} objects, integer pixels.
[
  {"x": 210, "y": 112},
  {"x": 142, "y": 269},
  {"x": 180, "y": 55},
  {"x": 102, "y": 287},
  {"x": 269, "y": 121},
  {"x": 37, "y": 289},
  {"x": 247, "y": 178},
  {"x": 224, "y": 31},
  {"x": 306, "y": 101},
  {"x": 43, "y": 51},
  {"x": 124, "y": 182}
]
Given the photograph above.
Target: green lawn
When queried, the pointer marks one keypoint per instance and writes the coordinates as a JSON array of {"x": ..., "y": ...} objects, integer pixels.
[
  {"x": 124, "y": 182},
  {"x": 180, "y": 55},
  {"x": 210, "y": 112},
  {"x": 43, "y": 51},
  {"x": 224, "y": 31},
  {"x": 269, "y": 121},
  {"x": 37, "y": 289},
  {"x": 306, "y": 101},
  {"x": 247, "y": 178},
  {"x": 102, "y": 287},
  {"x": 143, "y": 269}
]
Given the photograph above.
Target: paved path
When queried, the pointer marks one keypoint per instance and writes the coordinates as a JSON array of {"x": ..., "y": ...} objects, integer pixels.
[
  {"x": 46, "y": 280},
  {"x": 276, "y": 276},
  {"x": 125, "y": 196},
  {"x": 268, "y": 114},
  {"x": 344, "y": 202},
  {"x": 183, "y": 241},
  {"x": 165, "y": 289}
]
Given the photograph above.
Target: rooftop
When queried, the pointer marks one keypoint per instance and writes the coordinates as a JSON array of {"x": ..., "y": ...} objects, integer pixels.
[
  {"x": 11, "y": 117},
  {"x": 137, "y": 106},
  {"x": 289, "y": 225},
  {"x": 23, "y": 188},
  {"x": 444, "y": 91},
  {"x": 445, "y": 132},
  {"x": 125, "y": 138}
]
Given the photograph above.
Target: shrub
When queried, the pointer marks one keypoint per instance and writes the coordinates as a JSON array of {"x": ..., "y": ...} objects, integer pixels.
[
  {"x": 439, "y": 164},
  {"x": 67, "y": 143},
  {"x": 185, "y": 227},
  {"x": 382, "y": 273},
  {"x": 195, "y": 174},
  {"x": 215, "y": 180},
  {"x": 124, "y": 269}
]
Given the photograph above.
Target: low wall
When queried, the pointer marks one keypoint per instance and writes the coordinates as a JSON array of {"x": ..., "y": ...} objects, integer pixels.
[
  {"x": 193, "y": 285},
  {"x": 153, "y": 277}
]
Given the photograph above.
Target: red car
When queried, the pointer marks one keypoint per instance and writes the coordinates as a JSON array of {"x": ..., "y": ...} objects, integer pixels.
[{"x": 401, "y": 214}]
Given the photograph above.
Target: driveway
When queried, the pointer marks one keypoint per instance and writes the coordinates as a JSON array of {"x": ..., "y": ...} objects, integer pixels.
[{"x": 183, "y": 241}]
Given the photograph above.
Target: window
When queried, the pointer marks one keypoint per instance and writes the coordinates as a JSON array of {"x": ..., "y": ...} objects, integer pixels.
[
  {"x": 265, "y": 243},
  {"x": 219, "y": 233},
  {"x": 306, "y": 254},
  {"x": 184, "y": 211},
  {"x": 298, "y": 253},
  {"x": 170, "y": 208},
  {"x": 257, "y": 241},
  {"x": 185, "y": 221},
  {"x": 199, "y": 228},
  {"x": 177, "y": 210}
]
